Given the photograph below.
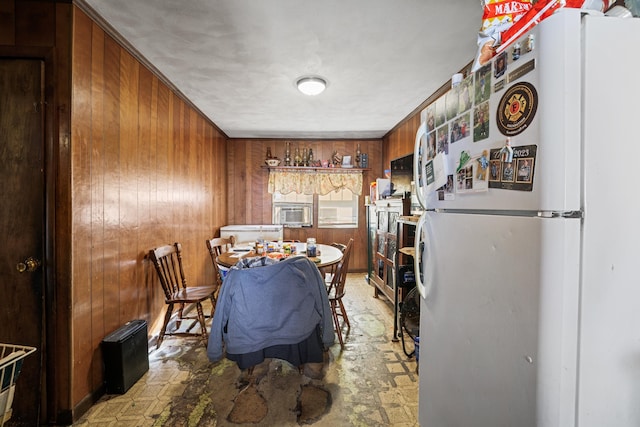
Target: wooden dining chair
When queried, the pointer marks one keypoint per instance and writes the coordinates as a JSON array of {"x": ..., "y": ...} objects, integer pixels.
[
  {"x": 340, "y": 246},
  {"x": 337, "y": 291},
  {"x": 331, "y": 271},
  {"x": 167, "y": 261},
  {"x": 216, "y": 247}
]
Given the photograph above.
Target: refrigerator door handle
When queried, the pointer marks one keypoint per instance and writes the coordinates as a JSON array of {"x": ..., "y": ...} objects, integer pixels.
[
  {"x": 417, "y": 258},
  {"x": 422, "y": 248},
  {"x": 417, "y": 165},
  {"x": 560, "y": 214}
]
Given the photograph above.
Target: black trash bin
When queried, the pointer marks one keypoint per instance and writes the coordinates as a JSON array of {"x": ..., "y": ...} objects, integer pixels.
[{"x": 126, "y": 356}]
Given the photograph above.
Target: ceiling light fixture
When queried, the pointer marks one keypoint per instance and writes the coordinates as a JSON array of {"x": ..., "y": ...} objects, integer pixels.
[{"x": 311, "y": 85}]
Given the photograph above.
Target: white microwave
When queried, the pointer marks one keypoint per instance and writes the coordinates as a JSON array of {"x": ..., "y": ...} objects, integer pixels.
[{"x": 293, "y": 214}]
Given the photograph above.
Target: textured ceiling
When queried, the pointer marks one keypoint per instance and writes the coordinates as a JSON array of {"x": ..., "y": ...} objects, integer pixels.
[{"x": 238, "y": 60}]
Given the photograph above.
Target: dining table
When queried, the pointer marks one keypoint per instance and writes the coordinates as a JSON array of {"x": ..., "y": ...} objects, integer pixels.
[{"x": 326, "y": 256}]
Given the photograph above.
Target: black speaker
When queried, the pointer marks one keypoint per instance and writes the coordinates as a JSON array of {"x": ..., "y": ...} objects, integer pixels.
[{"x": 126, "y": 356}]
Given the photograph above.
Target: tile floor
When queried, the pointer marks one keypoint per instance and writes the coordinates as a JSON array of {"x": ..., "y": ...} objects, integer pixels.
[{"x": 371, "y": 382}]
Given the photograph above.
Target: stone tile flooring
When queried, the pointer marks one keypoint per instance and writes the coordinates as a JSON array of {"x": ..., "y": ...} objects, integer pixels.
[{"x": 371, "y": 382}]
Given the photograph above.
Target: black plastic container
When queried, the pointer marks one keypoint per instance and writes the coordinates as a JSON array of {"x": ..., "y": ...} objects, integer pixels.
[
  {"x": 406, "y": 276},
  {"x": 126, "y": 356}
]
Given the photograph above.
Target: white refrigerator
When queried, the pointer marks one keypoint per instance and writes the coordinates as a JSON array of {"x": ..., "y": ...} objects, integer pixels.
[{"x": 529, "y": 270}]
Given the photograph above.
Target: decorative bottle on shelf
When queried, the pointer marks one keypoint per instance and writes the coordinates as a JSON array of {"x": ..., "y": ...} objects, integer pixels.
[
  {"x": 310, "y": 162},
  {"x": 358, "y": 156},
  {"x": 297, "y": 160},
  {"x": 287, "y": 154},
  {"x": 269, "y": 156},
  {"x": 305, "y": 157}
]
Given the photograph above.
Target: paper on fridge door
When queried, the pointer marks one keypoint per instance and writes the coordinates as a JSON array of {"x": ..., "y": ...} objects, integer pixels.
[{"x": 433, "y": 172}]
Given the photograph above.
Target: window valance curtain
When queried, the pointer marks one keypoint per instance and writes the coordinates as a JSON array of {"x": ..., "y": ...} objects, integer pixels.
[{"x": 315, "y": 181}]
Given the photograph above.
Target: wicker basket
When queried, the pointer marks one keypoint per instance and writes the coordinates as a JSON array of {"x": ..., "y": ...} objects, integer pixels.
[{"x": 11, "y": 357}]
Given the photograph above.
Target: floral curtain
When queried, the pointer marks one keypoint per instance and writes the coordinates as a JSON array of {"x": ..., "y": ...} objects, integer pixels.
[{"x": 315, "y": 181}]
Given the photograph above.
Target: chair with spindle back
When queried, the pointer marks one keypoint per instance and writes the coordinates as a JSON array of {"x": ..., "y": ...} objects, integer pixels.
[
  {"x": 332, "y": 270},
  {"x": 167, "y": 261},
  {"x": 337, "y": 291},
  {"x": 216, "y": 247}
]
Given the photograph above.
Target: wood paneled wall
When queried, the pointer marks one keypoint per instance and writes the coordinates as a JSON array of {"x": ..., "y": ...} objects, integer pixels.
[
  {"x": 401, "y": 140},
  {"x": 147, "y": 170},
  {"x": 250, "y": 202}
]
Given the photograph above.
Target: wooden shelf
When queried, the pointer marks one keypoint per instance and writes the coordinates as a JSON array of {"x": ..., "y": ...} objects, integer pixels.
[
  {"x": 314, "y": 168},
  {"x": 409, "y": 219},
  {"x": 409, "y": 250}
]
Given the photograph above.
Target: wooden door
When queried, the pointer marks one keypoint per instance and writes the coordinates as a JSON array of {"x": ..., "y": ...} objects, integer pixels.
[{"x": 22, "y": 225}]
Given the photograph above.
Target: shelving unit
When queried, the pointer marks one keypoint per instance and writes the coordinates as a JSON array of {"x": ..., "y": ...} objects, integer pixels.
[
  {"x": 384, "y": 251},
  {"x": 405, "y": 275},
  {"x": 314, "y": 168},
  {"x": 371, "y": 238}
]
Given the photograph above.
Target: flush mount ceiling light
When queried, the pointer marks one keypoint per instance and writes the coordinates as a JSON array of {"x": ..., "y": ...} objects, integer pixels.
[{"x": 311, "y": 85}]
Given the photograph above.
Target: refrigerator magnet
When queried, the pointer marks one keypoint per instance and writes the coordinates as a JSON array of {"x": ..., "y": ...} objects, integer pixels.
[
  {"x": 506, "y": 152},
  {"x": 482, "y": 90},
  {"x": 471, "y": 174},
  {"x": 521, "y": 71},
  {"x": 515, "y": 53},
  {"x": 500, "y": 65},
  {"x": 464, "y": 159},
  {"x": 517, "y": 109},
  {"x": 481, "y": 123},
  {"x": 446, "y": 192},
  {"x": 531, "y": 42},
  {"x": 516, "y": 174},
  {"x": 484, "y": 164}
]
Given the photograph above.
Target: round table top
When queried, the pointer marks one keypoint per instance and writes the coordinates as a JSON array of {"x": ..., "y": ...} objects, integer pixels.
[{"x": 327, "y": 254}]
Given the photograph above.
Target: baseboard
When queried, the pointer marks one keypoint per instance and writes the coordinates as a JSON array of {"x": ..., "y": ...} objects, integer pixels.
[{"x": 85, "y": 404}]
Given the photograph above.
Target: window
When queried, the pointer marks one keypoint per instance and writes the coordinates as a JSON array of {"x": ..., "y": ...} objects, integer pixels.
[
  {"x": 338, "y": 209},
  {"x": 292, "y": 198}
]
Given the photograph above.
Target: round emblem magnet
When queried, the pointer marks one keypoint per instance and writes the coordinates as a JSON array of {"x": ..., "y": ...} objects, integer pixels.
[{"x": 517, "y": 108}]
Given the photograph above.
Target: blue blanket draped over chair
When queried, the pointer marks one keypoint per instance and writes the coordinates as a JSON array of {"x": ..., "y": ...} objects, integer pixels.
[{"x": 272, "y": 310}]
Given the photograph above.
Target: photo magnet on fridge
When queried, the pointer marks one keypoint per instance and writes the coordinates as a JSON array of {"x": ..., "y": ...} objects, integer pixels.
[
  {"x": 516, "y": 174},
  {"x": 472, "y": 173},
  {"x": 481, "y": 123}
]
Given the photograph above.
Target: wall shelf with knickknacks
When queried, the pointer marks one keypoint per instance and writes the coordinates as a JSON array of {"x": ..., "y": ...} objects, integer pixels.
[
  {"x": 315, "y": 168},
  {"x": 305, "y": 157}
]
